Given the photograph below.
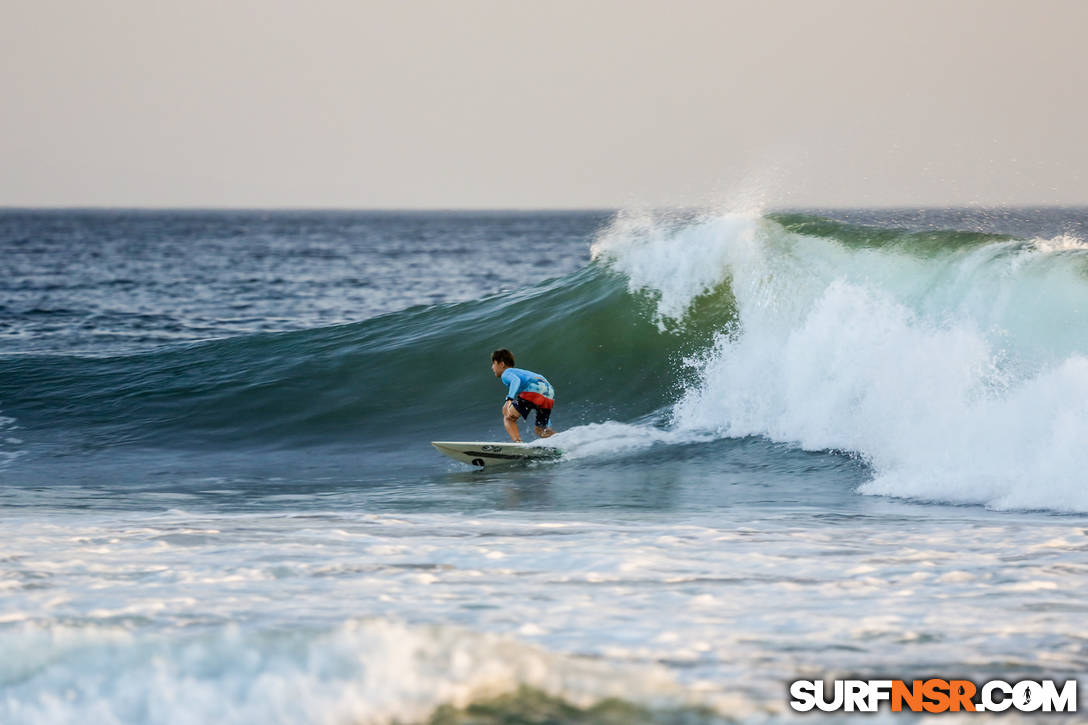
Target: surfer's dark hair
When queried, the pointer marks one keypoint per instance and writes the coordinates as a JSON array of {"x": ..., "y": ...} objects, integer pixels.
[{"x": 504, "y": 356}]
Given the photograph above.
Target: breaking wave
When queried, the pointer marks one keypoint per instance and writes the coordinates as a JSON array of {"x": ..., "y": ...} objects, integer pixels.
[{"x": 955, "y": 364}]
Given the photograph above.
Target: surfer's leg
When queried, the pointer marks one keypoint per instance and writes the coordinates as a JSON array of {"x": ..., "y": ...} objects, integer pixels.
[
  {"x": 543, "y": 415},
  {"x": 510, "y": 417}
]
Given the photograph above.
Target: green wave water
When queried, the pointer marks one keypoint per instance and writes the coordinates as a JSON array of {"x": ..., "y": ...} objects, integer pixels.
[{"x": 380, "y": 378}]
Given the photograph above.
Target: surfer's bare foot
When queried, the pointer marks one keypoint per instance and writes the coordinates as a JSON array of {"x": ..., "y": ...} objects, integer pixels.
[{"x": 544, "y": 432}]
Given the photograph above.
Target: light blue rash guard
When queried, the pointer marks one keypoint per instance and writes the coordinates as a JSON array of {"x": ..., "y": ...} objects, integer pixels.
[{"x": 525, "y": 381}]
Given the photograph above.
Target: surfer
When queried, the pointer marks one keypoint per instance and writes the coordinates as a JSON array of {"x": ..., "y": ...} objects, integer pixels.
[{"x": 527, "y": 391}]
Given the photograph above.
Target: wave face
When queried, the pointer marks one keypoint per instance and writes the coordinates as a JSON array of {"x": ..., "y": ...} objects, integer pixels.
[
  {"x": 401, "y": 374},
  {"x": 954, "y": 363}
]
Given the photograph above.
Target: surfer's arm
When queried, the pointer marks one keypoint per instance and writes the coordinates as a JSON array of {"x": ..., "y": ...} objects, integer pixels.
[{"x": 514, "y": 382}]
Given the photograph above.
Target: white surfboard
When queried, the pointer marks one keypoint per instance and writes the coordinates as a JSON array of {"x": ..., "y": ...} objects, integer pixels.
[{"x": 485, "y": 453}]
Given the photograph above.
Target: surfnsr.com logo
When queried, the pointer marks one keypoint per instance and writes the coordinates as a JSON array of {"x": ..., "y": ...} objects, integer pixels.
[{"x": 933, "y": 695}]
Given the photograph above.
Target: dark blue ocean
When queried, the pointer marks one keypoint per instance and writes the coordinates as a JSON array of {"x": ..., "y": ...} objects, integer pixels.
[{"x": 796, "y": 444}]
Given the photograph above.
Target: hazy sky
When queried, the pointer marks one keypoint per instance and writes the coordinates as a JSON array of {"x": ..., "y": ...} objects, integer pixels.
[{"x": 542, "y": 104}]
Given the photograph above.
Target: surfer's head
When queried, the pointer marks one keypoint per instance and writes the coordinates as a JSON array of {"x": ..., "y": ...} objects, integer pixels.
[{"x": 500, "y": 360}]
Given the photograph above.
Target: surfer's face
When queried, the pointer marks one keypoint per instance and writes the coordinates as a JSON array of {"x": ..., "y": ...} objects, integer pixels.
[{"x": 497, "y": 367}]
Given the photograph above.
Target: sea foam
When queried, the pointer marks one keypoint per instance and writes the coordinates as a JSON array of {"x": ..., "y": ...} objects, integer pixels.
[
  {"x": 959, "y": 375},
  {"x": 364, "y": 671}
]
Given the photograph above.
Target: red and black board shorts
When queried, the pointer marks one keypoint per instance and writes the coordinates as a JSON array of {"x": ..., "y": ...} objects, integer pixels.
[{"x": 527, "y": 402}]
